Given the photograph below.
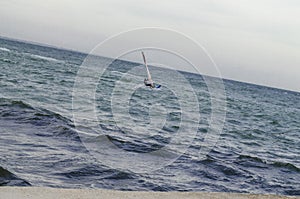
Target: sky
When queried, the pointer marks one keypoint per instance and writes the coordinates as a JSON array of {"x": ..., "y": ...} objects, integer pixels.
[{"x": 256, "y": 41}]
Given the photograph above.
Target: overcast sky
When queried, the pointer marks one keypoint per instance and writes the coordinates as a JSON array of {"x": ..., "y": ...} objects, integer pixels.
[{"x": 255, "y": 41}]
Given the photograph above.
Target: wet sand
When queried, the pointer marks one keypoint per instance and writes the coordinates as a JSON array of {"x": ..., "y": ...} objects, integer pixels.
[{"x": 54, "y": 193}]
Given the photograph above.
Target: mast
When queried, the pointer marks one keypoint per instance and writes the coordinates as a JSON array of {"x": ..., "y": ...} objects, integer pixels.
[{"x": 148, "y": 72}]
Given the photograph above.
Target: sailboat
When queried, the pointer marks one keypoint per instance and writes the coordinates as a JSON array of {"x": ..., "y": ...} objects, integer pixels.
[{"x": 148, "y": 81}]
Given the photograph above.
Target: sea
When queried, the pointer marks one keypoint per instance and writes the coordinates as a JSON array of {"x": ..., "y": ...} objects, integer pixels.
[{"x": 256, "y": 151}]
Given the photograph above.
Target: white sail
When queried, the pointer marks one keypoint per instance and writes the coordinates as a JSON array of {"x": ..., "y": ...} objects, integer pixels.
[{"x": 148, "y": 73}]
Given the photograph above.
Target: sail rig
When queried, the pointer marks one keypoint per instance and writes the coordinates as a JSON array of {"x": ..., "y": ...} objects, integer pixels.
[{"x": 148, "y": 72}]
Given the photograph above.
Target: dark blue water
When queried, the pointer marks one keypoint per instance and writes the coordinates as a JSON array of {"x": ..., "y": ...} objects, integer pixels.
[{"x": 258, "y": 150}]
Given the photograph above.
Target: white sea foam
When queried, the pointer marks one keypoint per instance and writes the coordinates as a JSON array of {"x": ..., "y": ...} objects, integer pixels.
[
  {"x": 50, "y": 59},
  {"x": 4, "y": 49}
]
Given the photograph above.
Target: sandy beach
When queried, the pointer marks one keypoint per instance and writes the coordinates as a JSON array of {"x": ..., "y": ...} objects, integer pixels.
[{"x": 50, "y": 193}]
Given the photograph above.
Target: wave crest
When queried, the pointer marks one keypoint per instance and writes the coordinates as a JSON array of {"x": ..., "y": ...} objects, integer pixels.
[
  {"x": 4, "y": 49},
  {"x": 9, "y": 179},
  {"x": 44, "y": 58},
  {"x": 21, "y": 112},
  {"x": 284, "y": 165}
]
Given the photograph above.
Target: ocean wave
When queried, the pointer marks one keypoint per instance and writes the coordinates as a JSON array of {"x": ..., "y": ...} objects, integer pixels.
[
  {"x": 4, "y": 49},
  {"x": 134, "y": 145},
  {"x": 16, "y": 103},
  {"x": 284, "y": 165},
  {"x": 9, "y": 179},
  {"x": 8, "y": 61},
  {"x": 101, "y": 172},
  {"x": 21, "y": 112},
  {"x": 40, "y": 57}
]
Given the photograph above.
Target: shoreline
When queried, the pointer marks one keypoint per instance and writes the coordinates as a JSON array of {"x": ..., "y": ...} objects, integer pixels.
[{"x": 50, "y": 193}]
